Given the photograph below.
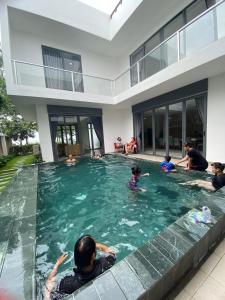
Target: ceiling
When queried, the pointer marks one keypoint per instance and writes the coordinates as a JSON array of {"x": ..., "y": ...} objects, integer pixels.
[{"x": 146, "y": 20}]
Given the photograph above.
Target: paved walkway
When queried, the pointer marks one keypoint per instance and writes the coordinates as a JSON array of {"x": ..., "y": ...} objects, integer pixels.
[{"x": 209, "y": 281}]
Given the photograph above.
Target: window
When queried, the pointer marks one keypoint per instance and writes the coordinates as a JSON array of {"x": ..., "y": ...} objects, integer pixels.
[
  {"x": 195, "y": 9},
  {"x": 58, "y": 78},
  {"x": 152, "y": 42},
  {"x": 173, "y": 26},
  {"x": 138, "y": 54},
  {"x": 66, "y": 134}
]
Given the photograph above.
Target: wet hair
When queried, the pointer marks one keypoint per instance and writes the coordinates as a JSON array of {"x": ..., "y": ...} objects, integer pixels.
[
  {"x": 83, "y": 251},
  {"x": 168, "y": 158},
  {"x": 187, "y": 145},
  {"x": 136, "y": 170},
  {"x": 218, "y": 165}
]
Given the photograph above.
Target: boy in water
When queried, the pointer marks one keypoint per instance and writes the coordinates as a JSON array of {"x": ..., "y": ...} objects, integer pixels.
[{"x": 167, "y": 165}]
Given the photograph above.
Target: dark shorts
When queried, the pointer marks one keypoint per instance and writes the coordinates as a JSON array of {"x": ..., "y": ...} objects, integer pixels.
[{"x": 199, "y": 168}]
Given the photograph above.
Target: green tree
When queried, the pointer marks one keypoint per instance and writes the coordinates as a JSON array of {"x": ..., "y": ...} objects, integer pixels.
[
  {"x": 18, "y": 129},
  {"x": 11, "y": 123}
]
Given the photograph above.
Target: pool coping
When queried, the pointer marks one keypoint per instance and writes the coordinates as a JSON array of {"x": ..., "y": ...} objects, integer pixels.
[{"x": 18, "y": 237}]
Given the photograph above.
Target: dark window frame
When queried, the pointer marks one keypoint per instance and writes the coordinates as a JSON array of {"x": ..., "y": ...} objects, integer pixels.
[{"x": 161, "y": 29}]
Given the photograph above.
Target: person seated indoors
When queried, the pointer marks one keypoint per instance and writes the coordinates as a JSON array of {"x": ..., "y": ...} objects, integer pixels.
[
  {"x": 133, "y": 183},
  {"x": 167, "y": 165},
  {"x": 87, "y": 267},
  {"x": 195, "y": 161},
  {"x": 217, "y": 181},
  {"x": 118, "y": 145},
  {"x": 71, "y": 160},
  {"x": 130, "y": 147}
]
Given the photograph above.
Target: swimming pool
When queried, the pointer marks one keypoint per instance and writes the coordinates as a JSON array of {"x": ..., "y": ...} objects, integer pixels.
[{"x": 93, "y": 198}]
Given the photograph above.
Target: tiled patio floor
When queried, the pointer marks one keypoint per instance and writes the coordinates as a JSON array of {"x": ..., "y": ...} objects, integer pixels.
[{"x": 209, "y": 281}]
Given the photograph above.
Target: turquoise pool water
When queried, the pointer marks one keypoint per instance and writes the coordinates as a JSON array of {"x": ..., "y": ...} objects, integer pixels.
[{"x": 92, "y": 198}]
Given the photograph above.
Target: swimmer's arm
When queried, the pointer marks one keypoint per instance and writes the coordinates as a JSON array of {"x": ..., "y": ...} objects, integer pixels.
[
  {"x": 104, "y": 248},
  {"x": 182, "y": 160},
  {"x": 144, "y": 175},
  {"x": 52, "y": 276}
]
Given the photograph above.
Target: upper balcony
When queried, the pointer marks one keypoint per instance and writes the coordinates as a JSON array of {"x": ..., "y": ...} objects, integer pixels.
[{"x": 189, "y": 41}]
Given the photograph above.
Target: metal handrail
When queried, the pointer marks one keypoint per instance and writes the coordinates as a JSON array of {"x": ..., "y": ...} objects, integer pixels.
[
  {"x": 58, "y": 69},
  {"x": 115, "y": 9},
  {"x": 177, "y": 32},
  {"x": 137, "y": 63}
]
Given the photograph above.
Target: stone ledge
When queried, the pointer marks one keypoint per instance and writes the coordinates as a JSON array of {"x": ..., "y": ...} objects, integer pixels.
[
  {"x": 18, "y": 236},
  {"x": 154, "y": 269}
]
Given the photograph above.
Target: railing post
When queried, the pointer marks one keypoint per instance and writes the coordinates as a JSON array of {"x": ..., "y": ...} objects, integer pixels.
[
  {"x": 73, "y": 88},
  {"x": 15, "y": 72},
  {"x": 178, "y": 45},
  {"x": 138, "y": 72}
]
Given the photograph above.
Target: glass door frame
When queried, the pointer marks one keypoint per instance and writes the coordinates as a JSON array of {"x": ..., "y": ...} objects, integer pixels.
[{"x": 183, "y": 101}]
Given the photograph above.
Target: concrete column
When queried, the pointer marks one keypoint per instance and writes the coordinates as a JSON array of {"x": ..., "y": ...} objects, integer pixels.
[
  {"x": 44, "y": 132},
  {"x": 215, "y": 119}
]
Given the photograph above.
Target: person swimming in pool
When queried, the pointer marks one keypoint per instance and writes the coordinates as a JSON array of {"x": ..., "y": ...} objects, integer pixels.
[
  {"x": 167, "y": 166},
  {"x": 88, "y": 267},
  {"x": 70, "y": 160},
  {"x": 217, "y": 181},
  {"x": 133, "y": 183}
]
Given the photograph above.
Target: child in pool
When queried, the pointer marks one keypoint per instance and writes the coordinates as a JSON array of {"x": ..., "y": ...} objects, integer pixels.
[
  {"x": 133, "y": 183},
  {"x": 167, "y": 165}
]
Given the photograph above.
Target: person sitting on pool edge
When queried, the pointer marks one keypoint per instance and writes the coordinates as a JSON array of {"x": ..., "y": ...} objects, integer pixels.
[
  {"x": 131, "y": 147},
  {"x": 87, "y": 267},
  {"x": 217, "y": 181},
  {"x": 195, "y": 161},
  {"x": 71, "y": 160},
  {"x": 167, "y": 165},
  {"x": 133, "y": 183}
]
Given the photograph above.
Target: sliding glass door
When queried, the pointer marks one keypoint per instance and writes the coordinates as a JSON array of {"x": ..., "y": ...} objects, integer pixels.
[
  {"x": 195, "y": 116},
  {"x": 166, "y": 128},
  {"x": 148, "y": 131},
  {"x": 175, "y": 129},
  {"x": 160, "y": 131}
]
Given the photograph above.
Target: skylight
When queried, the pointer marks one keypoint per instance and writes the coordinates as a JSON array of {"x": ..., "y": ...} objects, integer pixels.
[{"x": 106, "y": 6}]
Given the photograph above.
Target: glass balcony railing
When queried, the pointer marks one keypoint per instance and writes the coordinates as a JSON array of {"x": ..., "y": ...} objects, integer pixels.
[
  {"x": 54, "y": 78},
  {"x": 197, "y": 34}
]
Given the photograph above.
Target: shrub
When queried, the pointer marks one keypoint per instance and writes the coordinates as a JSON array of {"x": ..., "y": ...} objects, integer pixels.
[
  {"x": 5, "y": 159},
  {"x": 37, "y": 159},
  {"x": 22, "y": 150}
]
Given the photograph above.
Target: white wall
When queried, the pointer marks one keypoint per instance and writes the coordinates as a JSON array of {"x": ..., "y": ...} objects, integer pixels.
[
  {"x": 72, "y": 12},
  {"x": 215, "y": 150},
  {"x": 44, "y": 132},
  {"x": 27, "y": 47},
  {"x": 116, "y": 123}
]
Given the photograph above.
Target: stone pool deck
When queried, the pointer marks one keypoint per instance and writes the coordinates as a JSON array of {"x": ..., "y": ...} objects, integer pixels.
[
  {"x": 18, "y": 235},
  {"x": 209, "y": 281}
]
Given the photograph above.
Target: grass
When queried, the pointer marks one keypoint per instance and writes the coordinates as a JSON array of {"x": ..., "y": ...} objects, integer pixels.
[
  {"x": 18, "y": 162},
  {"x": 9, "y": 170}
]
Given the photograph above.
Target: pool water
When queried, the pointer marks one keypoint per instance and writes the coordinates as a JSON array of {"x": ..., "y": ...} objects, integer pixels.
[{"x": 92, "y": 198}]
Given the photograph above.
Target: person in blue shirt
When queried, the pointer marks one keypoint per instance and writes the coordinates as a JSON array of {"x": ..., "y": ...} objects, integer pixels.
[{"x": 167, "y": 165}]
